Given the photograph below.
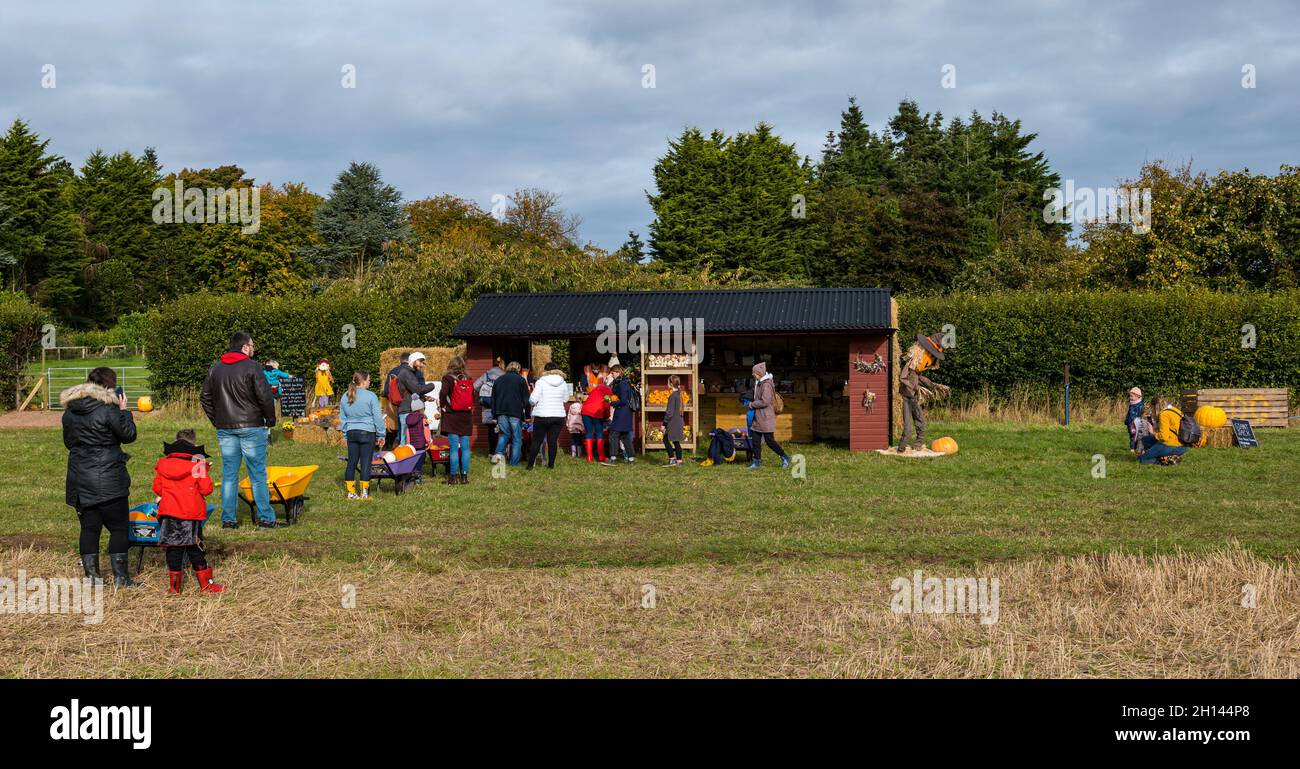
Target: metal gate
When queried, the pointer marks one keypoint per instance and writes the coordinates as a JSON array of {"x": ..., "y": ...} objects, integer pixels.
[{"x": 134, "y": 381}]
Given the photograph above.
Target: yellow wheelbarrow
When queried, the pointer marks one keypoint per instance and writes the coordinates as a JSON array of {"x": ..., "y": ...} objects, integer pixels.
[{"x": 288, "y": 488}]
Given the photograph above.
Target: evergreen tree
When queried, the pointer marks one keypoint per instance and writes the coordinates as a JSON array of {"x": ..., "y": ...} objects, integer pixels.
[
  {"x": 31, "y": 182},
  {"x": 361, "y": 216},
  {"x": 732, "y": 203},
  {"x": 633, "y": 250}
]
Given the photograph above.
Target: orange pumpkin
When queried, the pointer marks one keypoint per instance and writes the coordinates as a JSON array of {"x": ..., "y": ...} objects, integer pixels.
[
  {"x": 145, "y": 404},
  {"x": 944, "y": 445},
  {"x": 1210, "y": 416}
]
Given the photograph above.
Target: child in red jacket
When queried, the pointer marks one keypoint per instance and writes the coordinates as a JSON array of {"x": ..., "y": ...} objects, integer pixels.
[
  {"x": 594, "y": 413},
  {"x": 181, "y": 481}
]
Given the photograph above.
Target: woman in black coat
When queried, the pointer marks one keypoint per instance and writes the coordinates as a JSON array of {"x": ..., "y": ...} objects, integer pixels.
[{"x": 95, "y": 425}]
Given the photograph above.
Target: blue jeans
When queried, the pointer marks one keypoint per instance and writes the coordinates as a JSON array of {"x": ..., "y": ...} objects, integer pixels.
[
  {"x": 595, "y": 427},
  {"x": 248, "y": 444},
  {"x": 511, "y": 429},
  {"x": 459, "y": 454},
  {"x": 1155, "y": 450}
]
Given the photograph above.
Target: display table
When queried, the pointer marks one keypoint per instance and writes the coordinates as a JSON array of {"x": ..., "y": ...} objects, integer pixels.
[{"x": 723, "y": 410}]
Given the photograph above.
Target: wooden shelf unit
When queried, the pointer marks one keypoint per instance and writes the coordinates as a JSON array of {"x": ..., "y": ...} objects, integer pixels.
[{"x": 657, "y": 379}]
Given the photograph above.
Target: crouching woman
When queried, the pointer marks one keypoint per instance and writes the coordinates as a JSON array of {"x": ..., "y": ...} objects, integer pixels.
[{"x": 1163, "y": 447}]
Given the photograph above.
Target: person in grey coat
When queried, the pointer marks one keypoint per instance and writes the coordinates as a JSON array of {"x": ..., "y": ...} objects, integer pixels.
[
  {"x": 764, "y": 428},
  {"x": 674, "y": 422},
  {"x": 483, "y": 388}
]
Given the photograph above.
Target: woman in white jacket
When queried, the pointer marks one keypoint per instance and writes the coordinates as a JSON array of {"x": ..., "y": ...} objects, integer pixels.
[{"x": 548, "y": 399}]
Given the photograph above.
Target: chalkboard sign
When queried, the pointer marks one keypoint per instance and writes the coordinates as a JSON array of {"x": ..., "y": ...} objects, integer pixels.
[
  {"x": 1244, "y": 435},
  {"x": 293, "y": 397}
]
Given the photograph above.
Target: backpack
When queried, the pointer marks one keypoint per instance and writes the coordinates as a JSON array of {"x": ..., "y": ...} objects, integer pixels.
[
  {"x": 485, "y": 393},
  {"x": 634, "y": 399},
  {"x": 1189, "y": 432},
  {"x": 778, "y": 403},
  {"x": 393, "y": 391},
  {"x": 462, "y": 395}
]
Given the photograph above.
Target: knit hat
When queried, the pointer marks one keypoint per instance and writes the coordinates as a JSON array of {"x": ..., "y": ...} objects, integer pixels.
[{"x": 760, "y": 369}]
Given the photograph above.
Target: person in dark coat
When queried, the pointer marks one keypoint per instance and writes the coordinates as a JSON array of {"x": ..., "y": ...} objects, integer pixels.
[
  {"x": 95, "y": 425},
  {"x": 674, "y": 422},
  {"x": 620, "y": 427},
  {"x": 410, "y": 382},
  {"x": 510, "y": 408}
]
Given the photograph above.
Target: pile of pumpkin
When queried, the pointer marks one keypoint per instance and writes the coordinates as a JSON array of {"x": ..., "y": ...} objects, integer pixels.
[
  {"x": 1214, "y": 434},
  {"x": 660, "y": 397}
]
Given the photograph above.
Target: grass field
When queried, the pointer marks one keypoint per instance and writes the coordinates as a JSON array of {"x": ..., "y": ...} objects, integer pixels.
[{"x": 756, "y": 573}]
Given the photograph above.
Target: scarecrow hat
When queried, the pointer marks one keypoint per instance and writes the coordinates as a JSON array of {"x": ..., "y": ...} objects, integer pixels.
[
  {"x": 183, "y": 447},
  {"x": 930, "y": 345}
]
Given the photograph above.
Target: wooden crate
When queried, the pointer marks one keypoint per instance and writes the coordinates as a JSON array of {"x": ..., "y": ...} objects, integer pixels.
[{"x": 1264, "y": 407}]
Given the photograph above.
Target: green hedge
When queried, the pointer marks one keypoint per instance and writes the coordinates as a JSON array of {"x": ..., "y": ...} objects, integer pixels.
[
  {"x": 1007, "y": 342},
  {"x": 187, "y": 335},
  {"x": 1161, "y": 341},
  {"x": 20, "y": 331}
]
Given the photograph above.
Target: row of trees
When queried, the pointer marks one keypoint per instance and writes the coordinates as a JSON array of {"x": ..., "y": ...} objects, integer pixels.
[
  {"x": 86, "y": 245},
  {"x": 928, "y": 205},
  {"x": 921, "y": 205}
]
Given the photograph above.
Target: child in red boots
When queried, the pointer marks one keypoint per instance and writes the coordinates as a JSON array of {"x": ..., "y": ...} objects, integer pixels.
[
  {"x": 181, "y": 482},
  {"x": 594, "y": 413}
]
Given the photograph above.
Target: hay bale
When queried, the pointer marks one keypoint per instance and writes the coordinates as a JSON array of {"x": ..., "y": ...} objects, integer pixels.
[
  {"x": 1218, "y": 437},
  {"x": 435, "y": 363},
  {"x": 318, "y": 436},
  {"x": 540, "y": 355}
]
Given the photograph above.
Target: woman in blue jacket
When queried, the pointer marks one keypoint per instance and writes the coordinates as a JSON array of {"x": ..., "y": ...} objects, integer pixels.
[
  {"x": 620, "y": 426},
  {"x": 362, "y": 421}
]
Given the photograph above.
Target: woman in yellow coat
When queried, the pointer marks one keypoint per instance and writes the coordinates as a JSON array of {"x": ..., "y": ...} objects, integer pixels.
[{"x": 324, "y": 383}]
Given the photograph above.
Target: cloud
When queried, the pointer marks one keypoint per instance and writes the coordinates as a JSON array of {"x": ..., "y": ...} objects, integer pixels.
[{"x": 481, "y": 99}]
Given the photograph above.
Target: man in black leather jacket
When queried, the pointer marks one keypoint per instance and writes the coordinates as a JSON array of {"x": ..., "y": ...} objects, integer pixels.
[{"x": 239, "y": 402}]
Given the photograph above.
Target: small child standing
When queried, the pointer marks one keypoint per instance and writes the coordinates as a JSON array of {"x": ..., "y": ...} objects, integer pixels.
[
  {"x": 577, "y": 431},
  {"x": 324, "y": 383},
  {"x": 1133, "y": 419},
  {"x": 181, "y": 481}
]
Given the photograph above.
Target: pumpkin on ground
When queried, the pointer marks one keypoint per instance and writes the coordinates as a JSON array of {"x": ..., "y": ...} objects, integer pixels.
[
  {"x": 944, "y": 445},
  {"x": 145, "y": 404},
  {"x": 1210, "y": 416}
]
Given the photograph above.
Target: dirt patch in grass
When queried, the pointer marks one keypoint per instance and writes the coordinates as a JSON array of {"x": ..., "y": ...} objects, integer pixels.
[
  {"x": 36, "y": 541},
  {"x": 1091, "y": 616}
]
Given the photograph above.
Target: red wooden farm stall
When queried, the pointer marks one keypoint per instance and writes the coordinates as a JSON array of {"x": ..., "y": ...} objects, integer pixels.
[{"x": 811, "y": 339}]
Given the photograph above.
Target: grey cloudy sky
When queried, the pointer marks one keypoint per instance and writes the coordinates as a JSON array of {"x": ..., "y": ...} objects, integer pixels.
[{"x": 477, "y": 99}]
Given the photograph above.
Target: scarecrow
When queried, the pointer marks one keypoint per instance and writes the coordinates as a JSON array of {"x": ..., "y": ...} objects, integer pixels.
[{"x": 917, "y": 390}]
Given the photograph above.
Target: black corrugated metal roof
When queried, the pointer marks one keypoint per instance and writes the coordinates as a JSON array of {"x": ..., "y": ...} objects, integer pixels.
[{"x": 552, "y": 315}]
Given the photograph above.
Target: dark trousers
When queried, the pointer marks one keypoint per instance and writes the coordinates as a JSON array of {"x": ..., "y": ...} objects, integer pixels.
[
  {"x": 913, "y": 424},
  {"x": 619, "y": 439},
  {"x": 757, "y": 440},
  {"x": 111, "y": 515},
  {"x": 176, "y": 558},
  {"x": 494, "y": 435},
  {"x": 675, "y": 450},
  {"x": 551, "y": 427},
  {"x": 361, "y": 449}
]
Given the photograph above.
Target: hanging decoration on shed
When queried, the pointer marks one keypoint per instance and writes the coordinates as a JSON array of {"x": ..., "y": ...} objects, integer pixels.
[
  {"x": 874, "y": 367},
  {"x": 868, "y": 400}
]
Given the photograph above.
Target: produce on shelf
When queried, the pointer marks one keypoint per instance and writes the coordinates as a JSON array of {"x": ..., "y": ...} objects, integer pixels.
[
  {"x": 669, "y": 360},
  {"x": 660, "y": 397}
]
